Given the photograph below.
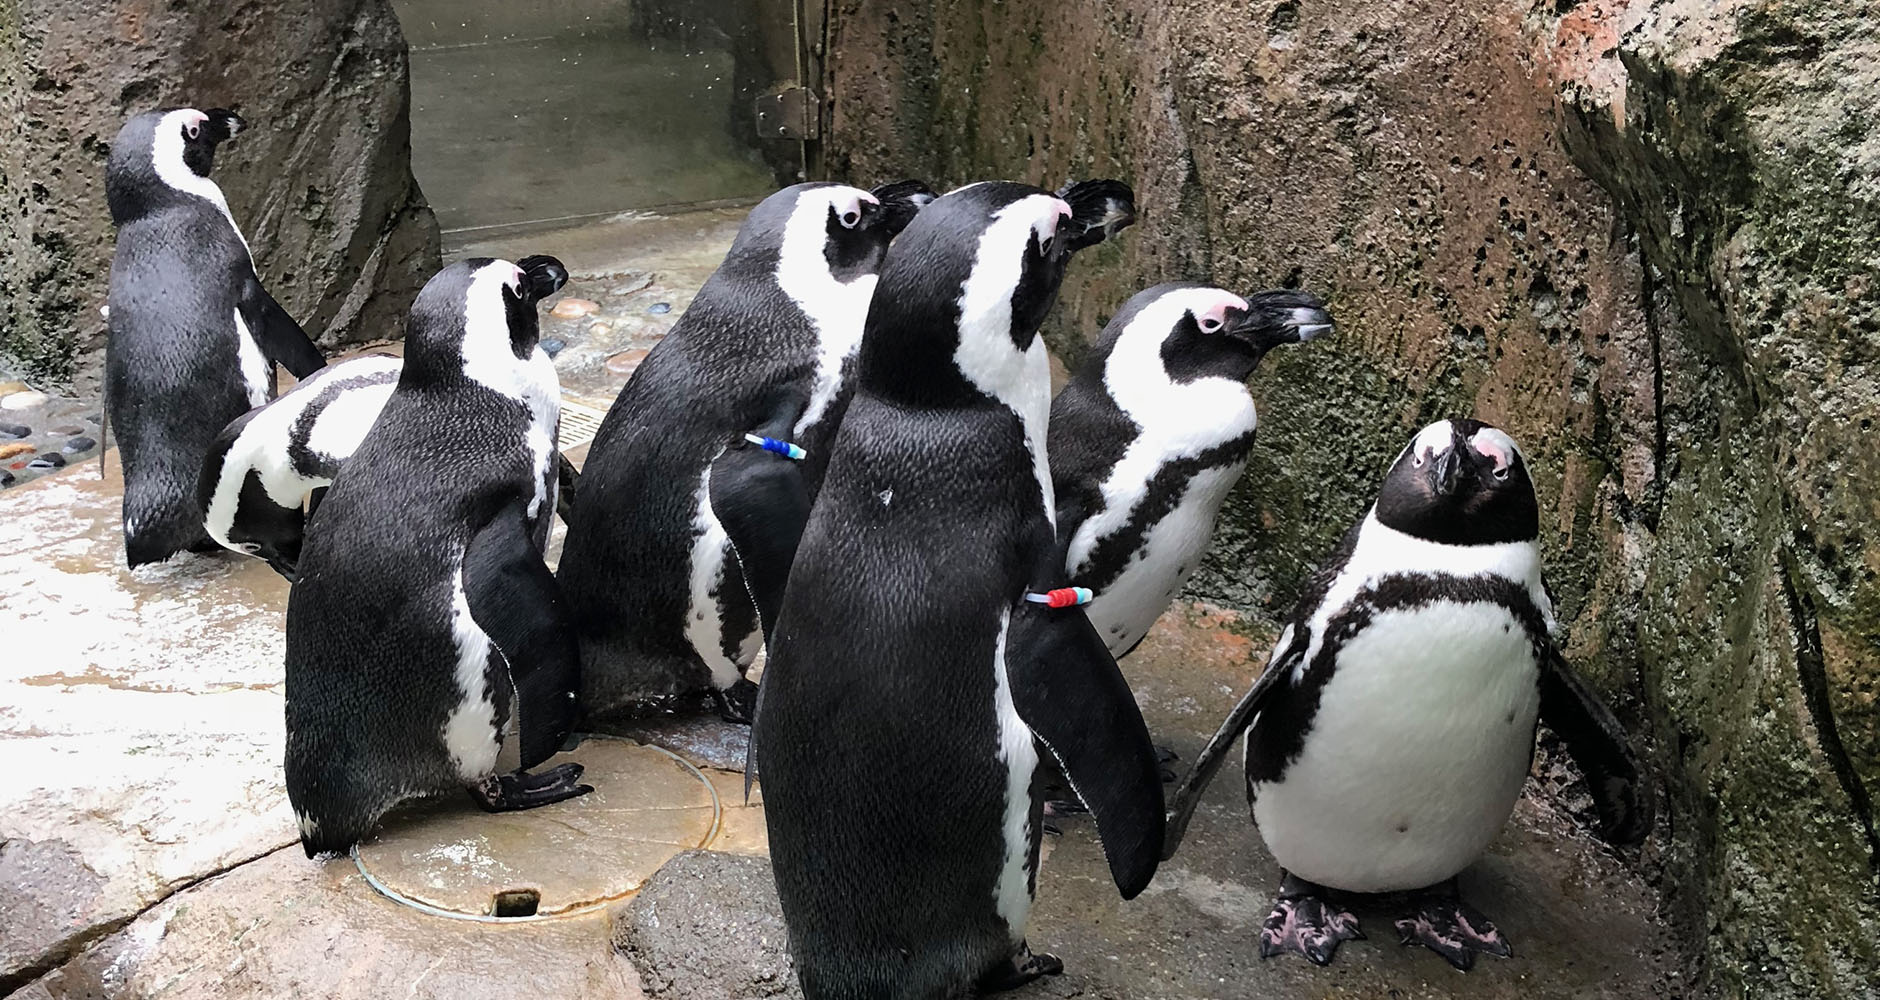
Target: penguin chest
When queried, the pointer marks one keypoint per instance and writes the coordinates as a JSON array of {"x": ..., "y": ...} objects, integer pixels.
[
  {"x": 472, "y": 733},
  {"x": 1165, "y": 556},
  {"x": 1416, "y": 753},
  {"x": 725, "y": 649}
]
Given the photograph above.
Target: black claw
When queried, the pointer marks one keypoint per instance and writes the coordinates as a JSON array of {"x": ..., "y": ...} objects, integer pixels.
[
  {"x": 510, "y": 792},
  {"x": 737, "y": 703},
  {"x": 1166, "y": 755},
  {"x": 1025, "y": 966}
]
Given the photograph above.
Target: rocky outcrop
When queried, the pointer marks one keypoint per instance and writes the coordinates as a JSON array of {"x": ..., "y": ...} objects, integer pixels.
[
  {"x": 708, "y": 927},
  {"x": 1639, "y": 235},
  {"x": 320, "y": 182}
]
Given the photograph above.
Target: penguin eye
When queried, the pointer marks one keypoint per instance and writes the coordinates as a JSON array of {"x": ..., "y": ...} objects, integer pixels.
[
  {"x": 1209, "y": 324},
  {"x": 1501, "y": 475},
  {"x": 1417, "y": 462},
  {"x": 850, "y": 219},
  {"x": 252, "y": 548},
  {"x": 1044, "y": 246},
  {"x": 193, "y": 129}
]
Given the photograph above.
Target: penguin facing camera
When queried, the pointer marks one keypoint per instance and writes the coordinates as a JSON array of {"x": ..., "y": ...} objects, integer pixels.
[
  {"x": 424, "y": 624},
  {"x": 1391, "y": 731},
  {"x": 922, "y": 644},
  {"x": 657, "y": 596},
  {"x": 192, "y": 335}
]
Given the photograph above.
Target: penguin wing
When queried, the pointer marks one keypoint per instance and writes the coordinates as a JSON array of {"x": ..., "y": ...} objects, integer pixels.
[
  {"x": 1069, "y": 692},
  {"x": 1292, "y": 649},
  {"x": 1597, "y": 743},
  {"x": 281, "y": 339},
  {"x": 514, "y": 600}
]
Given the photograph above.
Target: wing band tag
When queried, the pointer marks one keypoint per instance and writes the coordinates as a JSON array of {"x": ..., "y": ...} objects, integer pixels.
[
  {"x": 774, "y": 446},
  {"x": 1063, "y": 597}
]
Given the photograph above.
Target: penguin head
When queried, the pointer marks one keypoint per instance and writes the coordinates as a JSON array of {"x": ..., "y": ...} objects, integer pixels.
[
  {"x": 160, "y": 154},
  {"x": 825, "y": 231},
  {"x": 973, "y": 276},
  {"x": 1461, "y": 482},
  {"x": 478, "y": 317},
  {"x": 1203, "y": 332}
]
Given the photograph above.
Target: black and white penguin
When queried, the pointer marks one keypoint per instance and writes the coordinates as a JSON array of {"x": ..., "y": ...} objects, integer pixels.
[
  {"x": 1394, "y": 724},
  {"x": 656, "y": 595},
  {"x": 917, "y": 652},
  {"x": 424, "y": 618},
  {"x": 193, "y": 335},
  {"x": 267, "y": 462},
  {"x": 1151, "y": 433}
]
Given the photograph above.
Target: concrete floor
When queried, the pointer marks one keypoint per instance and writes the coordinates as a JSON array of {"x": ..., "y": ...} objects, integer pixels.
[{"x": 147, "y": 848}]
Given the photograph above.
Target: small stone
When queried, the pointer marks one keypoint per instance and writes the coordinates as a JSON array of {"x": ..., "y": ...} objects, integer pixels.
[
  {"x": 79, "y": 444},
  {"x": 9, "y": 388},
  {"x": 50, "y": 460},
  {"x": 17, "y": 465},
  {"x": 552, "y": 346},
  {"x": 16, "y": 448},
  {"x": 7, "y": 478},
  {"x": 23, "y": 400},
  {"x": 632, "y": 283},
  {"x": 599, "y": 330},
  {"x": 626, "y": 361},
  {"x": 68, "y": 430},
  {"x": 659, "y": 308},
  {"x": 14, "y": 430},
  {"x": 574, "y": 308}
]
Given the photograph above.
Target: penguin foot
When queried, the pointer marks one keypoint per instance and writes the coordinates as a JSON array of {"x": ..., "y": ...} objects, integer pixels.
[
  {"x": 509, "y": 792},
  {"x": 1446, "y": 925},
  {"x": 1303, "y": 923},
  {"x": 1025, "y": 966},
  {"x": 1166, "y": 755},
  {"x": 737, "y": 703}
]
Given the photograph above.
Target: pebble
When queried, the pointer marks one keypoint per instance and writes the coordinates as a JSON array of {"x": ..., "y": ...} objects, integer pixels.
[
  {"x": 552, "y": 346},
  {"x": 574, "y": 308},
  {"x": 626, "y": 361},
  {"x": 632, "y": 284},
  {"x": 659, "y": 308},
  {"x": 23, "y": 400},
  {"x": 7, "y": 478},
  {"x": 15, "y": 430},
  {"x": 79, "y": 444},
  {"x": 68, "y": 430},
  {"x": 50, "y": 460},
  {"x": 17, "y": 465},
  {"x": 599, "y": 330},
  {"x": 16, "y": 448},
  {"x": 9, "y": 388}
]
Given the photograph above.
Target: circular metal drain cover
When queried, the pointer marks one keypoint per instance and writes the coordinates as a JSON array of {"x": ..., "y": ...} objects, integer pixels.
[{"x": 451, "y": 859}]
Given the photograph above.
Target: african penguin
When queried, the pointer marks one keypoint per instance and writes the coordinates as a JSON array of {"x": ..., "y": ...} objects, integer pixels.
[
  {"x": 1152, "y": 432},
  {"x": 424, "y": 617},
  {"x": 192, "y": 334},
  {"x": 266, "y": 462},
  {"x": 658, "y": 600},
  {"x": 911, "y": 667},
  {"x": 1394, "y": 724}
]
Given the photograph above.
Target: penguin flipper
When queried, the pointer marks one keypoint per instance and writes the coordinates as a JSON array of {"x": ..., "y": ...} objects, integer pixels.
[
  {"x": 281, "y": 339},
  {"x": 1068, "y": 690},
  {"x": 513, "y": 598},
  {"x": 1212, "y": 756},
  {"x": 1597, "y": 743}
]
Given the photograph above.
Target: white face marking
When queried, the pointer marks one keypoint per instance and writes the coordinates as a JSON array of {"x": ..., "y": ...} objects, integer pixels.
[
  {"x": 263, "y": 443},
  {"x": 257, "y": 374},
  {"x": 1177, "y": 421},
  {"x": 986, "y": 356},
  {"x": 1416, "y": 755},
  {"x": 836, "y": 310},
  {"x": 1431, "y": 441},
  {"x": 470, "y": 730},
  {"x": 487, "y": 359},
  {"x": 1493, "y": 444},
  {"x": 1012, "y": 894},
  {"x": 704, "y": 628},
  {"x": 166, "y": 155}
]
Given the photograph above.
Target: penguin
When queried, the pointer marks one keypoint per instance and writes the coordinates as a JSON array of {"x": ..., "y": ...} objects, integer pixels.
[
  {"x": 192, "y": 334},
  {"x": 1391, "y": 731},
  {"x": 270, "y": 461},
  {"x": 1151, "y": 433},
  {"x": 656, "y": 594},
  {"x": 424, "y": 620},
  {"x": 923, "y": 639}
]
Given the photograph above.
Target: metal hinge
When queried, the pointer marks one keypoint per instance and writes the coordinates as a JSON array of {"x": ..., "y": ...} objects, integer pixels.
[{"x": 789, "y": 113}]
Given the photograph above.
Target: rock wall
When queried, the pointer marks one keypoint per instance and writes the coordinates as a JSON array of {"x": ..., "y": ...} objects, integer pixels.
[
  {"x": 1640, "y": 235},
  {"x": 320, "y": 182}
]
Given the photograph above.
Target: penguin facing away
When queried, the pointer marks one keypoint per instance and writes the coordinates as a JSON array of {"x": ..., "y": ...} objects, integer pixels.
[
  {"x": 424, "y": 618},
  {"x": 656, "y": 594},
  {"x": 1151, "y": 434},
  {"x": 266, "y": 462},
  {"x": 1394, "y": 724},
  {"x": 192, "y": 334},
  {"x": 909, "y": 672}
]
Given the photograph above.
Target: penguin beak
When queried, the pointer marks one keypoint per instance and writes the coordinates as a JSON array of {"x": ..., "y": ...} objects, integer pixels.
[
  {"x": 223, "y": 124},
  {"x": 542, "y": 276},
  {"x": 1446, "y": 472}
]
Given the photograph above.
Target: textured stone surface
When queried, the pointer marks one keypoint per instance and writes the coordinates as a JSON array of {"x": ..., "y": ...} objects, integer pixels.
[
  {"x": 320, "y": 182},
  {"x": 1638, "y": 235},
  {"x": 708, "y": 927}
]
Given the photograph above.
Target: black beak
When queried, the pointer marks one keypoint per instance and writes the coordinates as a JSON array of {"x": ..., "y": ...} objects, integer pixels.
[
  {"x": 1446, "y": 472},
  {"x": 223, "y": 124},
  {"x": 542, "y": 276},
  {"x": 1099, "y": 210},
  {"x": 900, "y": 202}
]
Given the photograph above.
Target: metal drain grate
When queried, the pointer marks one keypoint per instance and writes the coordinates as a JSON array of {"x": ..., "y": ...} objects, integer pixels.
[{"x": 580, "y": 421}]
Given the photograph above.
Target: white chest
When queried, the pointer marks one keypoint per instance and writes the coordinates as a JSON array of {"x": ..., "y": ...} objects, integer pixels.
[{"x": 1124, "y": 609}]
